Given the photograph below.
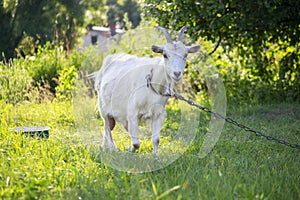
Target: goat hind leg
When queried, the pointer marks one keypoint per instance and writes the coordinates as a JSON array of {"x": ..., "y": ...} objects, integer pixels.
[{"x": 109, "y": 124}]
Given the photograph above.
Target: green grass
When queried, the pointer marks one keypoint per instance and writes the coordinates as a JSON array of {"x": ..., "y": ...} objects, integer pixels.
[{"x": 70, "y": 165}]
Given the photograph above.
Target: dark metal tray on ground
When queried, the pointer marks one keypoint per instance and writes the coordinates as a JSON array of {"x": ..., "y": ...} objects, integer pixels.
[{"x": 34, "y": 131}]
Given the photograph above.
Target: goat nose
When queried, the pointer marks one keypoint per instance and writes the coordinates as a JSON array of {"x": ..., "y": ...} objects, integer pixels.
[{"x": 177, "y": 74}]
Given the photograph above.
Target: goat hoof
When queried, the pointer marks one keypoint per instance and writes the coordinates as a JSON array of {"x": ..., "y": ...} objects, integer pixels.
[
  {"x": 133, "y": 148},
  {"x": 130, "y": 149},
  {"x": 109, "y": 148},
  {"x": 136, "y": 146},
  {"x": 157, "y": 159}
]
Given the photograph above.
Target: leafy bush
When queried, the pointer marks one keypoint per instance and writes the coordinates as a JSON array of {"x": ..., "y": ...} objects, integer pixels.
[
  {"x": 91, "y": 59},
  {"x": 242, "y": 82},
  {"x": 15, "y": 84},
  {"x": 48, "y": 73},
  {"x": 45, "y": 65},
  {"x": 66, "y": 86}
]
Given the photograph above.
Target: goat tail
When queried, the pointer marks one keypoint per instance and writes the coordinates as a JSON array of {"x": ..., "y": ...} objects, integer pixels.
[
  {"x": 97, "y": 76},
  {"x": 92, "y": 75}
]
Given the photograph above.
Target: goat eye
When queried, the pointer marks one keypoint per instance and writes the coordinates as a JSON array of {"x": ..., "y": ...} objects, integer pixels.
[{"x": 165, "y": 56}]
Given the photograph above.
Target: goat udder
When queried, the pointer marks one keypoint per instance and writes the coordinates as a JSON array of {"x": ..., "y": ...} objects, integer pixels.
[{"x": 112, "y": 123}]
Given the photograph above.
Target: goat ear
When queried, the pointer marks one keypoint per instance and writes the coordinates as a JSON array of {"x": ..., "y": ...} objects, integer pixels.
[
  {"x": 193, "y": 49},
  {"x": 157, "y": 49}
]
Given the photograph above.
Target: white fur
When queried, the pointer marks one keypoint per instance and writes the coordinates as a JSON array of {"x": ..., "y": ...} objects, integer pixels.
[{"x": 124, "y": 94}]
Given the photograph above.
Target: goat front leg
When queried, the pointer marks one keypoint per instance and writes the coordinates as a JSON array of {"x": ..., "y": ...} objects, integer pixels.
[
  {"x": 133, "y": 131},
  {"x": 157, "y": 122}
]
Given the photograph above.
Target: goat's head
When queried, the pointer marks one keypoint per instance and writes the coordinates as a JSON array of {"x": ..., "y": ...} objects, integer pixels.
[{"x": 174, "y": 53}]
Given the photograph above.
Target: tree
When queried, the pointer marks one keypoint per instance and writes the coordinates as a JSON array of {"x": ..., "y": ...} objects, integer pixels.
[
  {"x": 247, "y": 23},
  {"x": 43, "y": 20},
  {"x": 116, "y": 12},
  {"x": 96, "y": 12},
  {"x": 133, "y": 11},
  {"x": 250, "y": 26}
]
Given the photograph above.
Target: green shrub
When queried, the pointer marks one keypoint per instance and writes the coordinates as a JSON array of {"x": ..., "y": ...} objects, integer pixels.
[
  {"x": 241, "y": 81},
  {"x": 66, "y": 86},
  {"x": 15, "y": 84},
  {"x": 48, "y": 73},
  {"x": 45, "y": 65},
  {"x": 91, "y": 60}
]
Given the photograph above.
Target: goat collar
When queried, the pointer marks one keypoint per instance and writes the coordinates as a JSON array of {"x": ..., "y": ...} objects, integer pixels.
[{"x": 167, "y": 90}]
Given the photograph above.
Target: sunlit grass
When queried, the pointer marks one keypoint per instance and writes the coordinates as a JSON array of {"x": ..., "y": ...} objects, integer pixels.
[{"x": 72, "y": 165}]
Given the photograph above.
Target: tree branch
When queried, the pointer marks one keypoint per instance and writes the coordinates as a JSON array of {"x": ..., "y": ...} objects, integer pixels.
[{"x": 218, "y": 44}]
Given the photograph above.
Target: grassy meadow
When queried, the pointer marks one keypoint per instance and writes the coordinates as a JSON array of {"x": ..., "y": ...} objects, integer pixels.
[{"x": 69, "y": 165}]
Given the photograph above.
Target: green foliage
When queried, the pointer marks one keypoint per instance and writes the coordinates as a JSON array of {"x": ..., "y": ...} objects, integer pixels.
[
  {"x": 48, "y": 72},
  {"x": 45, "y": 65},
  {"x": 95, "y": 12},
  {"x": 41, "y": 19},
  {"x": 114, "y": 13},
  {"x": 117, "y": 11},
  {"x": 66, "y": 86},
  {"x": 241, "y": 83},
  {"x": 138, "y": 41},
  {"x": 91, "y": 60},
  {"x": 245, "y": 24},
  {"x": 263, "y": 35},
  {"x": 132, "y": 9},
  {"x": 15, "y": 83}
]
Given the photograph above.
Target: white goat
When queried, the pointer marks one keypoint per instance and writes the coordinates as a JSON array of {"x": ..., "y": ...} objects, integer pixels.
[{"x": 131, "y": 88}]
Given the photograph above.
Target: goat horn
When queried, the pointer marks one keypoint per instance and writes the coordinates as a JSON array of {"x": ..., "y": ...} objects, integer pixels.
[
  {"x": 167, "y": 34},
  {"x": 181, "y": 33}
]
